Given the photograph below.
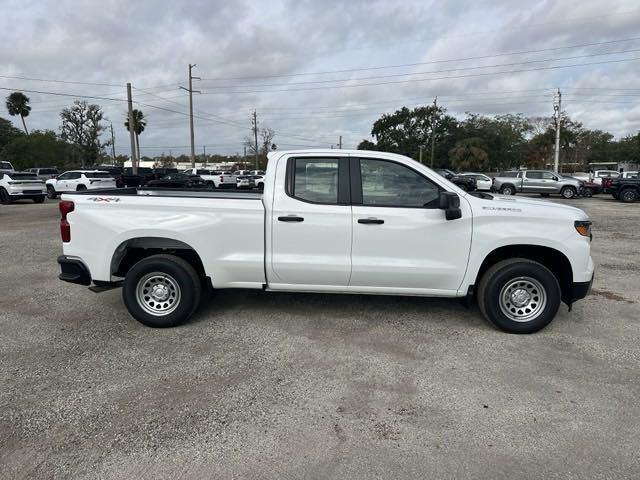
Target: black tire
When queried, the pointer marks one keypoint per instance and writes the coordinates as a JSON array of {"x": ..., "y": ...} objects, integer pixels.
[
  {"x": 588, "y": 193},
  {"x": 81, "y": 188},
  {"x": 51, "y": 192},
  {"x": 39, "y": 199},
  {"x": 508, "y": 190},
  {"x": 173, "y": 270},
  {"x": 517, "y": 272},
  {"x": 628, "y": 195},
  {"x": 5, "y": 198},
  {"x": 568, "y": 192}
]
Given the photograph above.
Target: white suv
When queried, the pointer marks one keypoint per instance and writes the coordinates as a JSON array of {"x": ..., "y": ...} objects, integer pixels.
[
  {"x": 18, "y": 185},
  {"x": 78, "y": 180}
]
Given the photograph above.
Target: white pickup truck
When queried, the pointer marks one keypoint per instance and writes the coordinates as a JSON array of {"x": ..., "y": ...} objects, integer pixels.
[{"x": 333, "y": 221}]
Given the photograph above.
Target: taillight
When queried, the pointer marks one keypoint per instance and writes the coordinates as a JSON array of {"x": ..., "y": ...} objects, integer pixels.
[{"x": 65, "y": 207}]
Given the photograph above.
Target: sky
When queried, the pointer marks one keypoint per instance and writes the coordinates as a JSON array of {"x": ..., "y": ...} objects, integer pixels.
[{"x": 318, "y": 70}]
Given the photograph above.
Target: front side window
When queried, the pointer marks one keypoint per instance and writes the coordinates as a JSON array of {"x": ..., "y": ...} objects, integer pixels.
[
  {"x": 548, "y": 176},
  {"x": 391, "y": 184},
  {"x": 65, "y": 176},
  {"x": 316, "y": 180}
]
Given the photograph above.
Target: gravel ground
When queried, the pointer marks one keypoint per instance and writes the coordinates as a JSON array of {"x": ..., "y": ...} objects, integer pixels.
[{"x": 265, "y": 385}]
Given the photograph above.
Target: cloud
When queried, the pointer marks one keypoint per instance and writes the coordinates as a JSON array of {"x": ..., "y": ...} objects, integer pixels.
[{"x": 150, "y": 44}]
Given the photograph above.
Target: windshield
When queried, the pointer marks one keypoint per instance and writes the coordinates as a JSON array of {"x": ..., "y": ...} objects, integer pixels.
[{"x": 97, "y": 175}]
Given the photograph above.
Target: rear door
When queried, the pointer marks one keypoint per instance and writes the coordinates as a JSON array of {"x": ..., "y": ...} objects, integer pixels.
[
  {"x": 401, "y": 239},
  {"x": 311, "y": 223},
  {"x": 532, "y": 182}
]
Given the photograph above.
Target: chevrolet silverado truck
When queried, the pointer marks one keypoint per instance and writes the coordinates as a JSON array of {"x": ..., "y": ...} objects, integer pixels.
[
  {"x": 544, "y": 182},
  {"x": 330, "y": 221},
  {"x": 626, "y": 190}
]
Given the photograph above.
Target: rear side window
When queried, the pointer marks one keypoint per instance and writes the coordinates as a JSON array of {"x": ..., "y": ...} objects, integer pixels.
[
  {"x": 315, "y": 180},
  {"x": 534, "y": 175},
  {"x": 390, "y": 184},
  {"x": 6, "y": 166}
]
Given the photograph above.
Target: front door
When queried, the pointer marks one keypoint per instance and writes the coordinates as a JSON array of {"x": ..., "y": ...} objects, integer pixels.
[
  {"x": 311, "y": 224},
  {"x": 401, "y": 239}
]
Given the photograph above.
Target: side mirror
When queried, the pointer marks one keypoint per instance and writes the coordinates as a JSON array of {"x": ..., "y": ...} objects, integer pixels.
[{"x": 450, "y": 203}]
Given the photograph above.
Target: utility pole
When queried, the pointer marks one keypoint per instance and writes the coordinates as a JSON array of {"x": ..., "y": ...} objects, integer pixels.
[
  {"x": 113, "y": 146},
  {"x": 420, "y": 153},
  {"x": 340, "y": 143},
  {"x": 557, "y": 107},
  {"x": 255, "y": 134},
  {"x": 190, "y": 90},
  {"x": 433, "y": 131},
  {"x": 132, "y": 138},
  {"x": 204, "y": 154}
]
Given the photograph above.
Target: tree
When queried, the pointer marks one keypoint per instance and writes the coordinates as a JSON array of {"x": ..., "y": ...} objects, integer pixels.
[
  {"x": 7, "y": 132},
  {"x": 139, "y": 122},
  {"x": 469, "y": 154},
  {"x": 265, "y": 144},
  {"x": 405, "y": 131},
  {"x": 18, "y": 104},
  {"x": 40, "y": 149},
  {"x": 366, "y": 145},
  {"x": 82, "y": 126}
]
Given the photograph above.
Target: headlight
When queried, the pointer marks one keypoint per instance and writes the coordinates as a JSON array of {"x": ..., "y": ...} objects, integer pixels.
[{"x": 583, "y": 227}]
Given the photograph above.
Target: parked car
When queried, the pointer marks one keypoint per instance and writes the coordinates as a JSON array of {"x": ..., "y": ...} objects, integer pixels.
[
  {"x": 45, "y": 173},
  {"x": 258, "y": 181},
  {"x": 483, "y": 182},
  {"x": 466, "y": 183},
  {"x": 244, "y": 181},
  {"x": 178, "y": 180},
  {"x": 598, "y": 175},
  {"x": 625, "y": 189},
  {"x": 225, "y": 179},
  {"x": 544, "y": 182},
  {"x": 330, "y": 221},
  {"x": 6, "y": 167},
  {"x": 79, "y": 180},
  {"x": 21, "y": 185},
  {"x": 210, "y": 177}
]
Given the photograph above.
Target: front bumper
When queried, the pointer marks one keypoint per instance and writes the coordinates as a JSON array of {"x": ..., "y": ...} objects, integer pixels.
[
  {"x": 579, "y": 290},
  {"x": 73, "y": 271}
]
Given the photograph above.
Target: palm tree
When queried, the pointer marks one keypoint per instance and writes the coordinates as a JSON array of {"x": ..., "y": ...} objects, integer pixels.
[
  {"x": 18, "y": 104},
  {"x": 139, "y": 123}
]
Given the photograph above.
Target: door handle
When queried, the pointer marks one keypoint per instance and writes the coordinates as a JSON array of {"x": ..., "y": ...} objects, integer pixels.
[
  {"x": 291, "y": 218},
  {"x": 373, "y": 221}
]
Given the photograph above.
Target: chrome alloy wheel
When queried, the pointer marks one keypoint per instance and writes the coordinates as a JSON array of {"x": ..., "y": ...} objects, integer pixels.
[
  {"x": 158, "y": 293},
  {"x": 523, "y": 299}
]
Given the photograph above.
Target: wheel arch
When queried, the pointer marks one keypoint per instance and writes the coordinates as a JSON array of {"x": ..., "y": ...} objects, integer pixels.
[
  {"x": 556, "y": 261},
  {"x": 132, "y": 250}
]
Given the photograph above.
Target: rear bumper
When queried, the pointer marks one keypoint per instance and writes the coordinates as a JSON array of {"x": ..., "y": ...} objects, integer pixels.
[{"x": 72, "y": 270}]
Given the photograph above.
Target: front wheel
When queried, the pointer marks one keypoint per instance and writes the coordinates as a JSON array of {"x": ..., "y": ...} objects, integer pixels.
[
  {"x": 508, "y": 190},
  {"x": 162, "y": 291},
  {"x": 51, "y": 192},
  {"x": 568, "y": 192},
  {"x": 39, "y": 199},
  {"x": 519, "y": 295}
]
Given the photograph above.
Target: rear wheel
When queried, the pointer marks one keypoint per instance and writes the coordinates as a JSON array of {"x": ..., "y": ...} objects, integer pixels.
[
  {"x": 628, "y": 195},
  {"x": 519, "y": 295},
  {"x": 508, "y": 190},
  {"x": 162, "y": 291},
  {"x": 51, "y": 192},
  {"x": 81, "y": 188},
  {"x": 39, "y": 199},
  {"x": 588, "y": 192},
  {"x": 5, "y": 198},
  {"x": 568, "y": 192}
]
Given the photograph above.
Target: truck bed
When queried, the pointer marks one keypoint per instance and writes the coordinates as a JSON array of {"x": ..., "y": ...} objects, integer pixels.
[{"x": 173, "y": 192}]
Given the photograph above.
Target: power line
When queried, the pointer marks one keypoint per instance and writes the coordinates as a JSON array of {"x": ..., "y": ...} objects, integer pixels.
[{"x": 448, "y": 77}]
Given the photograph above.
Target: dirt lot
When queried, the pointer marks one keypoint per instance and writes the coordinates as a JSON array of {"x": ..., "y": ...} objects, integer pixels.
[{"x": 314, "y": 386}]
